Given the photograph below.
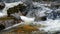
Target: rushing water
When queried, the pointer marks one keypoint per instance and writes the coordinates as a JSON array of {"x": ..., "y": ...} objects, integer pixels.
[
  {"x": 53, "y": 17},
  {"x": 37, "y": 10}
]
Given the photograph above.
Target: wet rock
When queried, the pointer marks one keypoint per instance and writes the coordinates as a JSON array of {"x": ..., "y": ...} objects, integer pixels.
[
  {"x": 9, "y": 21},
  {"x": 2, "y": 5},
  {"x": 2, "y": 27},
  {"x": 27, "y": 29},
  {"x": 41, "y": 18},
  {"x": 15, "y": 9},
  {"x": 58, "y": 32}
]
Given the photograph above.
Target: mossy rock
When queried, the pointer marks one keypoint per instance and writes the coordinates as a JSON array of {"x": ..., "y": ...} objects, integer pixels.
[{"x": 16, "y": 9}]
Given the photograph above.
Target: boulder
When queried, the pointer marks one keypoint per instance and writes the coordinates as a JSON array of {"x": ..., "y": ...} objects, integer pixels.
[
  {"x": 2, "y": 27},
  {"x": 15, "y": 9},
  {"x": 2, "y": 5}
]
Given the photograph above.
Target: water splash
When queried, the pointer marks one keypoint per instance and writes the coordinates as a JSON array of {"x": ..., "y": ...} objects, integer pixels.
[
  {"x": 52, "y": 23},
  {"x": 37, "y": 10}
]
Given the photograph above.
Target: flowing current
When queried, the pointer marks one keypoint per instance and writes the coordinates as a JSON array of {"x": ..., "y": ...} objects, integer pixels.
[
  {"x": 37, "y": 10},
  {"x": 53, "y": 16}
]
